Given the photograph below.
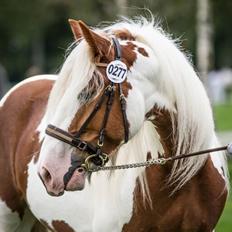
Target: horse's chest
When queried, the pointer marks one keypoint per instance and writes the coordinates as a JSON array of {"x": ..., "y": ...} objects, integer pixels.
[{"x": 97, "y": 208}]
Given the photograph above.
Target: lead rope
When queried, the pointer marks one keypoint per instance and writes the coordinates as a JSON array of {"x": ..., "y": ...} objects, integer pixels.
[{"x": 162, "y": 161}]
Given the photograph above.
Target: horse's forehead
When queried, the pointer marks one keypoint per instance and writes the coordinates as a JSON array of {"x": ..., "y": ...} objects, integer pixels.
[
  {"x": 131, "y": 51},
  {"x": 129, "y": 45}
]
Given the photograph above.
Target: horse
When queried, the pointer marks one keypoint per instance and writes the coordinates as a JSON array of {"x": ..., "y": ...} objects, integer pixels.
[{"x": 125, "y": 94}]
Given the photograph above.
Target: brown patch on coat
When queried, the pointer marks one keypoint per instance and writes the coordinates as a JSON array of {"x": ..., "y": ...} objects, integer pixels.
[
  {"x": 41, "y": 226},
  {"x": 161, "y": 118},
  {"x": 62, "y": 226},
  {"x": 149, "y": 156},
  {"x": 129, "y": 55},
  {"x": 19, "y": 118},
  {"x": 197, "y": 206},
  {"x": 143, "y": 52},
  {"x": 114, "y": 132},
  {"x": 123, "y": 34}
]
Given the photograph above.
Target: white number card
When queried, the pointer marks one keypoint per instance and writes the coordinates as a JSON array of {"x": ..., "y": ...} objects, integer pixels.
[{"x": 116, "y": 71}]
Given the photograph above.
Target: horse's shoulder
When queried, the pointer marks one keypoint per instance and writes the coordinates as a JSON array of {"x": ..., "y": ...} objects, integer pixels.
[
  {"x": 28, "y": 89},
  {"x": 205, "y": 197},
  {"x": 197, "y": 205}
]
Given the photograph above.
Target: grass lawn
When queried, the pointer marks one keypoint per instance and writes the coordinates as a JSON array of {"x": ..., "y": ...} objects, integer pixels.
[
  {"x": 223, "y": 117},
  {"x": 225, "y": 222},
  {"x": 223, "y": 120}
]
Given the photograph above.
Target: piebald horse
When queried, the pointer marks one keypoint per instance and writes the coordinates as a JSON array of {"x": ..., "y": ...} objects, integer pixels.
[{"x": 166, "y": 112}]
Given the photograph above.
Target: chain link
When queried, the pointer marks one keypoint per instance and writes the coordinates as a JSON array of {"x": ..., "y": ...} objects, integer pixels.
[{"x": 160, "y": 161}]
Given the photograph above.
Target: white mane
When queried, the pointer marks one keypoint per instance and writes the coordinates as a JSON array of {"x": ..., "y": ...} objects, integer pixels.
[
  {"x": 176, "y": 81},
  {"x": 74, "y": 76}
]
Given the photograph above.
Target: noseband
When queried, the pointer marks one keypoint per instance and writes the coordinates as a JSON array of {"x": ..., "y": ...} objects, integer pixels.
[{"x": 95, "y": 153}]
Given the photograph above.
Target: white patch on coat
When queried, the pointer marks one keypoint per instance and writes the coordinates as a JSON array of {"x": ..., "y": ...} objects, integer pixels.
[
  {"x": 9, "y": 221},
  {"x": 106, "y": 204},
  {"x": 219, "y": 161},
  {"x": 27, "y": 80}
]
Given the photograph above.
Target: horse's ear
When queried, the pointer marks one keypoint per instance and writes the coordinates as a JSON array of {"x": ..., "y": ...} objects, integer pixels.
[
  {"x": 99, "y": 45},
  {"x": 75, "y": 29}
]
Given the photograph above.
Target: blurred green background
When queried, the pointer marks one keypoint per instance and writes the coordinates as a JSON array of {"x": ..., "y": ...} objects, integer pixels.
[
  {"x": 35, "y": 35},
  {"x": 223, "y": 116}
]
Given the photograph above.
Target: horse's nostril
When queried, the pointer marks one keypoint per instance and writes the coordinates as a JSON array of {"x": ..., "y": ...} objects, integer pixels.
[
  {"x": 46, "y": 175},
  {"x": 80, "y": 170}
]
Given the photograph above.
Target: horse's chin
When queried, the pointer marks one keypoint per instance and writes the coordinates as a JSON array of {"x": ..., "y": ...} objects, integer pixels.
[{"x": 77, "y": 181}]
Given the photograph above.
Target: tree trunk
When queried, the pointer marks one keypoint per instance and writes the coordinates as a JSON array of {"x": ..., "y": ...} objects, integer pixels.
[
  {"x": 122, "y": 7},
  {"x": 204, "y": 38}
]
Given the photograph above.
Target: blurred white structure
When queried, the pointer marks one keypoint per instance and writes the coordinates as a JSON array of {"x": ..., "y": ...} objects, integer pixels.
[
  {"x": 220, "y": 86},
  {"x": 204, "y": 30}
]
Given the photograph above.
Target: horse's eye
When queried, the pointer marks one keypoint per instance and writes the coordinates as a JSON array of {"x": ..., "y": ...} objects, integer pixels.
[{"x": 75, "y": 132}]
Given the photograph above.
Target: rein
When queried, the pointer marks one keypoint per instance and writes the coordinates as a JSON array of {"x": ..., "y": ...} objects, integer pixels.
[{"x": 162, "y": 161}]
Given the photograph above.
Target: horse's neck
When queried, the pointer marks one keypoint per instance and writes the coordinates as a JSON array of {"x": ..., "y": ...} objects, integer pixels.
[{"x": 161, "y": 119}]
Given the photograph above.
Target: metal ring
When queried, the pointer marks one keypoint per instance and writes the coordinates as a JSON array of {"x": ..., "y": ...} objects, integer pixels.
[
  {"x": 100, "y": 144},
  {"x": 86, "y": 165}
]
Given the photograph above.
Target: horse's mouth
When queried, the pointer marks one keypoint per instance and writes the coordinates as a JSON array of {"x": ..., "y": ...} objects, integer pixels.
[
  {"x": 55, "y": 195},
  {"x": 77, "y": 180}
]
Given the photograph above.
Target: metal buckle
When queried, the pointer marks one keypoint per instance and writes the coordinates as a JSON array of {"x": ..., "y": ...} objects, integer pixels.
[
  {"x": 100, "y": 144},
  {"x": 82, "y": 145}
]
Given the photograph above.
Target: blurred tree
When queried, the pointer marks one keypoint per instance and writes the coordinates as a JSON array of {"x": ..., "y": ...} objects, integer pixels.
[
  {"x": 36, "y": 33},
  {"x": 122, "y": 7},
  {"x": 222, "y": 11},
  {"x": 204, "y": 38}
]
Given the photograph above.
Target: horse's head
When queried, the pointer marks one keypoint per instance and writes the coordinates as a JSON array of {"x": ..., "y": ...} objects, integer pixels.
[{"x": 92, "y": 114}]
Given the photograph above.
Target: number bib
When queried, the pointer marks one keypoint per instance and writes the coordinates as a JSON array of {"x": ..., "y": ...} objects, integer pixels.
[{"x": 116, "y": 71}]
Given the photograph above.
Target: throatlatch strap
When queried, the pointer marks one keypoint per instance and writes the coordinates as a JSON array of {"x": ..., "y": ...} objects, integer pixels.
[
  {"x": 124, "y": 117},
  {"x": 106, "y": 115}
]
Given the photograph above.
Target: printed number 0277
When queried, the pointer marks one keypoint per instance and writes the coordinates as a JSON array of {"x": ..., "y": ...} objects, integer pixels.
[{"x": 116, "y": 71}]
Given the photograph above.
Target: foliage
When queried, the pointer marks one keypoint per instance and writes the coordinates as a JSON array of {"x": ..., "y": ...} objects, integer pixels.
[{"x": 37, "y": 33}]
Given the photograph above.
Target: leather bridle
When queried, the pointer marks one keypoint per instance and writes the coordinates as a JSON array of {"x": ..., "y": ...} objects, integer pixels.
[{"x": 95, "y": 152}]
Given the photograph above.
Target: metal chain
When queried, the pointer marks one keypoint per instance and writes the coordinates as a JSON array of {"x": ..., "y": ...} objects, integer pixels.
[{"x": 160, "y": 161}]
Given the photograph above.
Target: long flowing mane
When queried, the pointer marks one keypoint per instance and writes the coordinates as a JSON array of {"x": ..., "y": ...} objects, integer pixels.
[
  {"x": 76, "y": 73},
  {"x": 178, "y": 90}
]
